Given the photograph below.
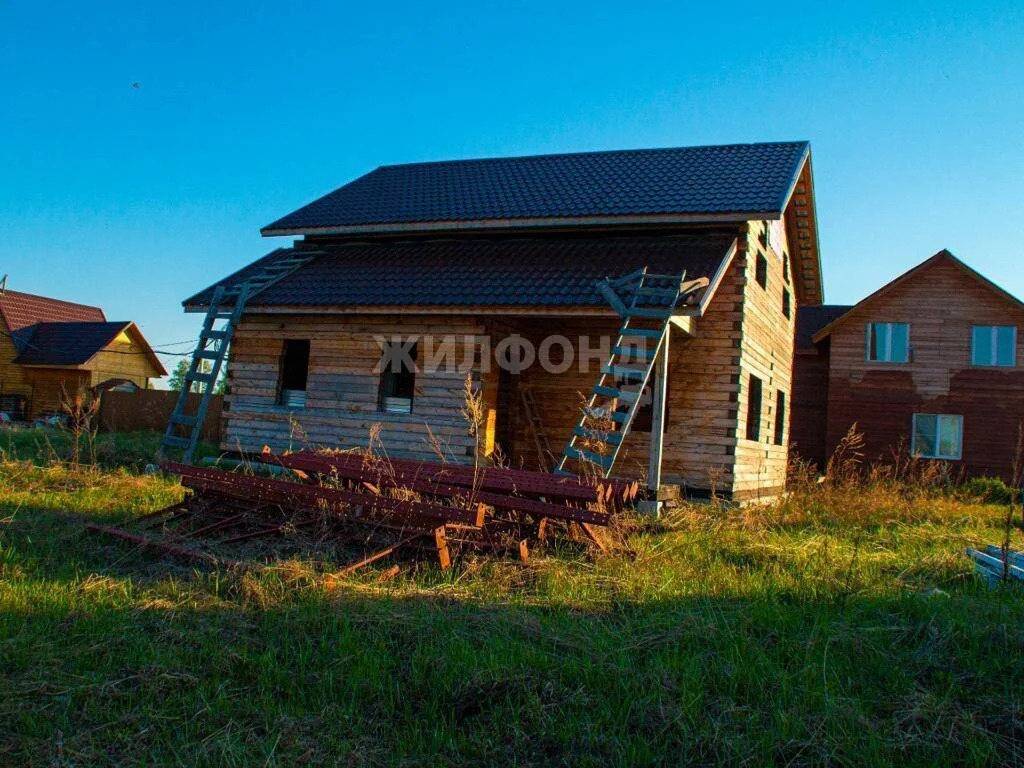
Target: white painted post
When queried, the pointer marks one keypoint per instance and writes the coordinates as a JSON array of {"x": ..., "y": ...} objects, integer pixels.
[{"x": 660, "y": 392}]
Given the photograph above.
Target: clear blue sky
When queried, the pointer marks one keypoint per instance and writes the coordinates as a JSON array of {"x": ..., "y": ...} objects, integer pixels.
[{"x": 134, "y": 198}]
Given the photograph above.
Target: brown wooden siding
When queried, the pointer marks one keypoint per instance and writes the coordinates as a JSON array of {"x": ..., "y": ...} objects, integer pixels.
[
  {"x": 940, "y": 304},
  {"x": 12, "y": 377},
  {"x": 53, "y": 387},
  {"x": 150, "y": 409},
  {"x": 809, "y": 418},
  {"x": 122, "y": 358}
]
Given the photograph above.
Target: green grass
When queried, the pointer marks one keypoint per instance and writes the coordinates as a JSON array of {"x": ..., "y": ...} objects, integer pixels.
[
  {"x": 842, "y": 628},
  {"x": 109, "y": 450}
]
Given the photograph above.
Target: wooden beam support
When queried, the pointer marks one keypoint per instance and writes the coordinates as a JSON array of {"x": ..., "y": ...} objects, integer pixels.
[
  {"x": 660, "y": 388},
  {"x": 612, "y": 297},
  {"x": 685, "y": 323}
]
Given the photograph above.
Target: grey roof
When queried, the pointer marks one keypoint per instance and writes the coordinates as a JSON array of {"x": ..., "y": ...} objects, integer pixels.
[
  {"x": 743, "y": 180},
  {"x": 811, "y": 319},
  {"x": 67, "y": 343},
  {"x": 512, "y": 272}
]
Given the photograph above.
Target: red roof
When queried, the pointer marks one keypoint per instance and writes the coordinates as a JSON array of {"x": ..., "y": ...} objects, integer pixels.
[{"x": 20, "y": 310}]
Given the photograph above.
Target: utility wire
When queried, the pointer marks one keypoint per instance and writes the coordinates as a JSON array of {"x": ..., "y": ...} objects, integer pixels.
[{"x": 169, "y": 353}]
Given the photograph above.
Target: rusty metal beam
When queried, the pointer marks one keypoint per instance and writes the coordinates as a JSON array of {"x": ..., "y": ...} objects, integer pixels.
[
  {"x": 300, "y": 494},
  {"x": 150, "y": 543},
  {"x": 503, "y": 480},
  {"x": 348, "y": 470}
]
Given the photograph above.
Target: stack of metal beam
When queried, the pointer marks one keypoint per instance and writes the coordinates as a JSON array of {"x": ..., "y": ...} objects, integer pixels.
[{"x": 382, "y": 507}]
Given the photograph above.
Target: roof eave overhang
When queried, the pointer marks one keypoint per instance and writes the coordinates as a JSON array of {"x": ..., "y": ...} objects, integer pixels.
[
  {"x": 460, "y": 309},
  {"x": 61, "y": 366},
  {"x": 801, "y": 216},
  {"x": 540, "y": 223},
  {"x": 804, "y": 158}
]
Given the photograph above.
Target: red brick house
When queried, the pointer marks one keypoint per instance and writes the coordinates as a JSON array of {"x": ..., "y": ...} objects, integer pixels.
[{"x": 930, "y": 363}]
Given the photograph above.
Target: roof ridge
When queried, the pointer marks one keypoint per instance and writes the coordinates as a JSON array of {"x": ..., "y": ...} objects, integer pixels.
[{"x": 590, "y": 153}]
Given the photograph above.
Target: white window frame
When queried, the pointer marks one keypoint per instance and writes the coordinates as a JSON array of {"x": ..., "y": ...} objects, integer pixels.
[
  {"x": 939, "y": 417},
  {"x": 994, "y": 330},
  {"x": 888, "y": 344}
]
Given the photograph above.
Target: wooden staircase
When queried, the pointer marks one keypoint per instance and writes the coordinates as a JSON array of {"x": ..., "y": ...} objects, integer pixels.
[
  {"x": 208, "y": 358},
  {"x": 646, "y": 303}
]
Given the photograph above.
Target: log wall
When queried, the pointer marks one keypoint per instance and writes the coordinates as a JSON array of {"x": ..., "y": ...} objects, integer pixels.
[
  {"x": 765, "y": 351},
  {"x": 342, "y": 397},
  {"x": 743, "y": 331},
  {"x": 342, "y": 405}
]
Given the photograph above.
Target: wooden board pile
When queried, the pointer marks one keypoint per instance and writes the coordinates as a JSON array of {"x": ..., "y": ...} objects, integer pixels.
[
  {"x": 380, "y": 507},
  {"x": 995, "y": 565}
]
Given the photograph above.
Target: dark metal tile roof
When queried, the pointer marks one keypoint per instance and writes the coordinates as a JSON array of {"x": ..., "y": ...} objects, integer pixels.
[
  {"x": 67, "y": 343},
  {"x": 811, "y": 319},
  {"x": 686, "y": 181},
  {"x": 22, "y": 311},
  {"x": 519, "y": 272}
]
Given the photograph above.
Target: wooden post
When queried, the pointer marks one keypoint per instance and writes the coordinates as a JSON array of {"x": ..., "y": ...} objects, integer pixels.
[{"x": 660, "y": 391}]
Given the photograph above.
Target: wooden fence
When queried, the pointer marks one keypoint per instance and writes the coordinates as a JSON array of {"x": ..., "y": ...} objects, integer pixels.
[{"x": 151, "y": 409}]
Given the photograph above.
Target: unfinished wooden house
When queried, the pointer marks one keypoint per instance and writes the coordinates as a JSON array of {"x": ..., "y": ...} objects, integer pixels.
[
  {"x": 632, "y": 311},
  {"x": 927, "y": 365},
  {"x": 53, "y": 350}
]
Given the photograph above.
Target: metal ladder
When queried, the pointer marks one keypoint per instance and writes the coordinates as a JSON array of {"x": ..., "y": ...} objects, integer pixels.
[
  {"x": 226, "y": 304},
  {"x": 647, "y": 315},
  {"x": 540, "y": 436}
]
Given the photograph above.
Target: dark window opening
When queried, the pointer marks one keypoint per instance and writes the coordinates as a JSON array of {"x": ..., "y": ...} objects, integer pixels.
[
  {"x": 398, "y": 380},
  {"x": 761, "y": 270},
  {"x": 643, "y": 421},
  {"x": 787, "y": 301},
  {"x": 294, "y": 373},
  {"x": 780, "y": 416},
  {"x": 785, "y": 266},
  {"x": 754, "y": 408}
]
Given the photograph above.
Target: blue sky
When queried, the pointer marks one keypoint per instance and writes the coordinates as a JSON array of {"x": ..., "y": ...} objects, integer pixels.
[{"x": 133, "y": 198}]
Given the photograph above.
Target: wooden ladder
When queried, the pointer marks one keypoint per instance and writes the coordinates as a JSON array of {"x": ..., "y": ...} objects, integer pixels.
[
  {"x": 533, "y": 420},
  {"x": 208, "y": 358},
  {"x": 616, "y": 398}
]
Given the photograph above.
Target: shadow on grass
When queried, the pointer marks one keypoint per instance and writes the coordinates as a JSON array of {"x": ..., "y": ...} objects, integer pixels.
[{"x": 109, "y": 655}]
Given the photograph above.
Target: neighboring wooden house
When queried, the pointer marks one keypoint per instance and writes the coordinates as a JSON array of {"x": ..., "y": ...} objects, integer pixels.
[
  {"x": 52, "y": 349},
  {"x": 928, "y": 365},
  {"x": 493, "y": 255}
]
